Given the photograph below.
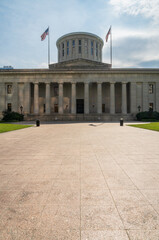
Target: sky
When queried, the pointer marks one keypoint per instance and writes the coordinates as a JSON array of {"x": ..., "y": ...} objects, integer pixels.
[{"x": 135, "y": 30}]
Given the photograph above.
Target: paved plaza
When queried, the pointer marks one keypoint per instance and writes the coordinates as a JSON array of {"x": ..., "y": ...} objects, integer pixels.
[{"x": 79, "y": 181}]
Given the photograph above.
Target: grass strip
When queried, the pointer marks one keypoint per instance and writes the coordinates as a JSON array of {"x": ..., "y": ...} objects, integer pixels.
[
  {"x": 149, "y": 126},
  {"x": 6, "y": 127}
]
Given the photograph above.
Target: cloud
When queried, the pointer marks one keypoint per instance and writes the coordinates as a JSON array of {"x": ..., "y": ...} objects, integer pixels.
[
  {"x": 134, "y": 52},
  {"x": 146, "y": 8}
]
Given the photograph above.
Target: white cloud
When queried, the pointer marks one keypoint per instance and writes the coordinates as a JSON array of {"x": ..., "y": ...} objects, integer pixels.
[{"x": 146, "y": 8}]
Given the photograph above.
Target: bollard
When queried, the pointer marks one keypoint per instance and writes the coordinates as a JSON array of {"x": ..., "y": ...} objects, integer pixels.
[
  {"x": 121, "y": 121},
  {"x": 37, "y": 123}
]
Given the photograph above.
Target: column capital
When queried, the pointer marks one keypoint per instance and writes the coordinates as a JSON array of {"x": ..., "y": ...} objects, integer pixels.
[
  {"x": 47, "y": 83},
  {"x": 112, "y": 82},
  {"x": 124, "y": 82}
]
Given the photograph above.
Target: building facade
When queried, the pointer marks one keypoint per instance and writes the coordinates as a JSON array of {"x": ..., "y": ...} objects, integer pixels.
[{"x": 80, "y": 86}]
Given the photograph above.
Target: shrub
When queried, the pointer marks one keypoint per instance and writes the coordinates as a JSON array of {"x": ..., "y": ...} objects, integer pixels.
[
  {"x": 12, "y": 116},
  {"x": 147, "y": 115}
]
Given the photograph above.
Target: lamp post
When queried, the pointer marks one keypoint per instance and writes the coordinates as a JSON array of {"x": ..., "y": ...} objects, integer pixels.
[{"x": 21, "y": 109}]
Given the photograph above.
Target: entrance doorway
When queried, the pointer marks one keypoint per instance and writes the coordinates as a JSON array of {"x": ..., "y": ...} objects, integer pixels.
[
  {"x": 56, "y": 108},
  {"x": 80, "y": 106}
]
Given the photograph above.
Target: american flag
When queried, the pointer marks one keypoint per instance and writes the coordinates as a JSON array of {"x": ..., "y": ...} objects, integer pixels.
[
  {"x": 109, "y": 32},
  {"x": 43, "y": 36}
]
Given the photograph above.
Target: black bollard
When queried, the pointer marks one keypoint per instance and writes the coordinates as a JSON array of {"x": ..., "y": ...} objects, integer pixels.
[
  {"x": 121, "y": 121},
  {"x": 37, "y": 123}
]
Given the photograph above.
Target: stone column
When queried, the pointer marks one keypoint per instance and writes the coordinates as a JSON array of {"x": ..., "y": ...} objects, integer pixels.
[
  {"x": 112, "y": 98},
  {"x": 27, "y": 97},
  {"x": 73, "y": 99},
  {"x": 133, "y": 106},
  {"x": 86, "y": 98},
  {"x": 157, "y": 96},
  {"x": 124, "y": 98},
  {"x": 36, "y": 98},
  {"x": 99, "y": 98},
  {"x": 145, "y": 96},
  {"x": 61, "y": 98},
  {"x": 47, "y": 98},
  {"x": 2, "y": 98}
]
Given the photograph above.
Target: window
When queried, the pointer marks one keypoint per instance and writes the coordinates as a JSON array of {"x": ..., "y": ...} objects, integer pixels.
[
  {"x": 9, "y": 107},
  {"x": 9, "y": 89},
  {"x": 92, "y": 48},
  {"x": 79, "y": 49},
  {"x": 96, "y": 49},
  {"x": 63, "y": 52},
  {"x": 151, "y": 107},
  {"x": 150, "y": 88},
  {"x": 67, "y": 47}
]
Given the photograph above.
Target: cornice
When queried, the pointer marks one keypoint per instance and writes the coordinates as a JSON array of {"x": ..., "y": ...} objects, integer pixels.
[{"x": 81, "y": 71}]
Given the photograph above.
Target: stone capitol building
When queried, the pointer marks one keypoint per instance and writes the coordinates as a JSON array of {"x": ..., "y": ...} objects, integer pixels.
[{"x": 80, "y": 86}]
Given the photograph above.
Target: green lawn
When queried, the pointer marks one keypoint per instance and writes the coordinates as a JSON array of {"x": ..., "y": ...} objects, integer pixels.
[
  {"x": 5, "y": 127},
  {"x": 150, "y": 126}
]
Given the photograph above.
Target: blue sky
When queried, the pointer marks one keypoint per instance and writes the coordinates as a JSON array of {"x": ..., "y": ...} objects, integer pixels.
[{"x": 135, "y": 33}]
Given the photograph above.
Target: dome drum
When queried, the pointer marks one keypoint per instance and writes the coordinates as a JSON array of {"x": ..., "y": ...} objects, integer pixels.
[{"x": 79, "y": 45}]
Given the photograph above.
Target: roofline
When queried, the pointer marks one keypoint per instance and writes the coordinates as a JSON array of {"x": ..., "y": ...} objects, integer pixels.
[
  {"x": 74, "y": 71},
  {"x": 79, "y": 33}
]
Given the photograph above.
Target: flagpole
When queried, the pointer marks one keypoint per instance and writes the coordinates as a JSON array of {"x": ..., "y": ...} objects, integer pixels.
[
  {"x": 111, "y": 46},
  {"x": 48, "y": 47}
]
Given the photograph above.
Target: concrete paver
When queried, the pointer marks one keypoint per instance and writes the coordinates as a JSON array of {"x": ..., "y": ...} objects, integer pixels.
[{"x": 79, "y": 181}]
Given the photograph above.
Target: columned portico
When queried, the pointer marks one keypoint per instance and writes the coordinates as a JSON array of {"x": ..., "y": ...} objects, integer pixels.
[
  {"x": 36, "y": 98},
  {"x": 47, "y": 98},
  {"x": 60, "y": 98}
]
